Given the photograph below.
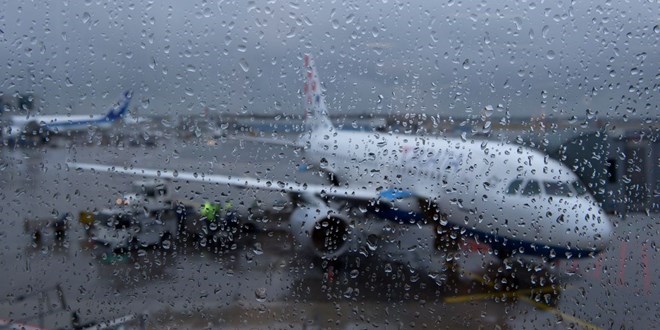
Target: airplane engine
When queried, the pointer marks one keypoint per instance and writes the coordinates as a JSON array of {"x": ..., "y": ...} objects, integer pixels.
[{"x": 320, "y": 230}]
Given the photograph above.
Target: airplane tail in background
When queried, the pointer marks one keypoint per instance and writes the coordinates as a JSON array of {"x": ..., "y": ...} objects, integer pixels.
[
  {"x": 316, "y": 114},
  {"x": 119, "y": 110}
]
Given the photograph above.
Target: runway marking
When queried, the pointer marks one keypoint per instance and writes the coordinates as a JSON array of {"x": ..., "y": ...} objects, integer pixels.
[
  {"x": 510, "y": 294},
  {"x": 560, "y": 314},
  {"x": 541, "y": 306}
]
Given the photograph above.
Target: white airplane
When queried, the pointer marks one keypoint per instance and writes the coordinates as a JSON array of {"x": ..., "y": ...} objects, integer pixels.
[
  {"x": 415, "y": 195},
  {"x": 44, "y": 126}
]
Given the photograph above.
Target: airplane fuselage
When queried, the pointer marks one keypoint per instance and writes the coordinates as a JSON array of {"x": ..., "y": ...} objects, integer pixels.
[
  {"x": 56, "y": 124},
  {"x": 470, "y": 181}
]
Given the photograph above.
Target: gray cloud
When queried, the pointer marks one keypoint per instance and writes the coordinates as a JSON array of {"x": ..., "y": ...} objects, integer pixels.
[{"x": 387, "y": 56}]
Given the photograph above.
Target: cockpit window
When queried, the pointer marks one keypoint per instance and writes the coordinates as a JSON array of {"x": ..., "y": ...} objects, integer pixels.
[
  {"x": 532, "y": 188},
  {"x": 514, "y": 187},
  {"x": 579, "y": 188},
  {"x": 554, "y": 188}
]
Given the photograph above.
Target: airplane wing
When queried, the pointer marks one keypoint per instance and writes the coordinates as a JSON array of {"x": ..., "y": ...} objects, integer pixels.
[
  {"x": 235, "y": 181},
  {"x": 279, "y": 142}
]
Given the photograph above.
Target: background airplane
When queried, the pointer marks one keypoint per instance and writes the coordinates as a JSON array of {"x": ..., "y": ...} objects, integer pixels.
[
  {"x": 412, "y": 198},
  {"x": 39, "y": 128}
]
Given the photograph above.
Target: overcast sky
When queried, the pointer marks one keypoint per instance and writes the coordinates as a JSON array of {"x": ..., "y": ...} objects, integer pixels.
[{"x": 449, "y": 57}]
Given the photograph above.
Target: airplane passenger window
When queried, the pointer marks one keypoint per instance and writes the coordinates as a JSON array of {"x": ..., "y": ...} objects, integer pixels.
[
  {"x": 579, "y": 188},
  {"x": 531, "y": 188},
  {"x": 557, "y": 188},
  {"x": 514, "y": 187}
]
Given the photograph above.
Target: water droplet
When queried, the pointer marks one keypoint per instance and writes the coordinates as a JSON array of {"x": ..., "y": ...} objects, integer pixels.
[
  {"x": 166, "y": 244},
  {"x": 260, "y": 294},
  {"x": 488, "y": 111},
  {"x": 86, "y": 17},
  {"x": 550, "y": 54},
  {"x": 244, "y": 65},
  {"x": 213, "y": 226},
  {"x": 486, "y": 128},
  {"x": 388, "y": 268},
  {"x": 466, "y": 64},
  {"x": 544, "y": 31},
  {"x": 518, "y": 21},
  {"x": 258, "y": 249},
  {"x": 372, "y": 242}
]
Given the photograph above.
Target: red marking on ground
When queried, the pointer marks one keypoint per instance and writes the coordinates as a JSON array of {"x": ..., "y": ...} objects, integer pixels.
[
  {"x": 475, "y": 246},
  {"x": 11, "y": 325},
  {"x": 647, "y": 270},
  {"x": 622, "y": 262},
  {"x": 598, "y": 267},
  {"x": 575, "y": 267}
]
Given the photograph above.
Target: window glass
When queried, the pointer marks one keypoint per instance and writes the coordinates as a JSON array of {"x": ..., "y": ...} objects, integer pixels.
[
  {"x": 579, "y": 188},
  {"x": 554, "y": 188},
  {"x": 329, "y": 164},
  {"x": 532, "y": 188},
  {"x": 514, "y": 187}
]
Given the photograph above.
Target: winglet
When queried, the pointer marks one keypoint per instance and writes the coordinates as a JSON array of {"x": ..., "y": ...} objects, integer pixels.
[{"x": 119, "y": 110}]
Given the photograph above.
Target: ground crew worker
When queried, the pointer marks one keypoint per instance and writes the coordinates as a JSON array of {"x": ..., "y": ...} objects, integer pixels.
[
  {"x": 221, "y": 223},
  {"x": 210, "y": 211},
  {"x": 213, "y": 211}
]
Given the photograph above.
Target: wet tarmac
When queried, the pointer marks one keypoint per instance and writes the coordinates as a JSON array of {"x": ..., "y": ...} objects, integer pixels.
[{"x": 264, "y": 281}]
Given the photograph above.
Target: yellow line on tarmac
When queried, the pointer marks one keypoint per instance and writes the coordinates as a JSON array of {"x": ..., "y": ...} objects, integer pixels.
[
  {"x": 561, "y": 314},
  {"x": 511, "y": 294},
  {"x": 539, "y": 305}
]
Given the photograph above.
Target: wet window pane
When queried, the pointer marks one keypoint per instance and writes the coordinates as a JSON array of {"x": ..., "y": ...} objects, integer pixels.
[{"x": 343, "y": 164}]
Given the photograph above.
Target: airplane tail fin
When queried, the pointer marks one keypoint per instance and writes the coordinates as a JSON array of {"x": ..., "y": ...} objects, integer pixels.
[
  {"x": 119, "y": 110},
  {"x": 316, "y": 114}
]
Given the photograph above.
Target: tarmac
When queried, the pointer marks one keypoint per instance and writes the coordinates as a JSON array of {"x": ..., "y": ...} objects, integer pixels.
[{"x": 264, "y": 281}]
